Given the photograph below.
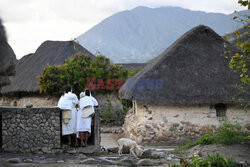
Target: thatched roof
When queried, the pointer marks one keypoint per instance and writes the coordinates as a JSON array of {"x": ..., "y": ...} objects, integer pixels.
[
  {"x": 193, "y": 70},
  {"x": 134, "y": 66},
  {"x": 31, "y": 66},
  {"x": 7, "y": 58}
]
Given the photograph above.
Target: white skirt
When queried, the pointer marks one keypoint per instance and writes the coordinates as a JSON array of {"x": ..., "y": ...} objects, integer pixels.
[
  {"x": 70, "y": 127},
  {"x": 83, "y": 124}
]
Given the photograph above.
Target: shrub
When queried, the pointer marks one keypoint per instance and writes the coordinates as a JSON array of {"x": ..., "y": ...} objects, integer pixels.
[
  {"x": 211, "y": 161},
  {"x": 107, "y": 116},
  {"x": 230, "y": 134},
  {"x": 207, "y": 139},
  {"x": 75, "y": 71},
  {"x": 226, "y": 134}
]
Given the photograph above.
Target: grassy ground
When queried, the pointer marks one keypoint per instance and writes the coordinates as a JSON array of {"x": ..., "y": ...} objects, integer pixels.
[{"x": 227, "y": 134}]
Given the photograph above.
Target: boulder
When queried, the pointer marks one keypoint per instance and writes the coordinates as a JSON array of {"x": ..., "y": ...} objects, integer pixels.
[{"x": 144, "y": 162}]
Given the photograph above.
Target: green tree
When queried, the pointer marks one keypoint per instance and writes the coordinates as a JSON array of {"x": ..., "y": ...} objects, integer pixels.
[
  {"x": 240, "y": 61},
  {"x": 75, "y": 72}
]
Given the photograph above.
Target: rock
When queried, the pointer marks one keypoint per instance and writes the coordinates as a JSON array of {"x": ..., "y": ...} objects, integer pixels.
[
  {"x": 172, "y": 129},
  {"x": 45, "y": 150},
  {"x": 243, "y": 163},
  {"x": 143, "y": 133},
  {"x": 144, "y": 162},
  {"x": 176, "y": 124},
  {"x": 126, "y": 162},
  {"x": 151, "y": 131},
  {"x": 162, "y": 124},
  {"x": 105, "y": 161},
  {"x": 113, "y": 150},
  {"x": 14, "y": 160},
  {"x": 25, "y": 145},
  {"x": 146, "y": 153},
  {"x": 28, "y": 160},
  {"x": 125, "y": 150},
  {"x": 139, "y": 139},
  {"x": 156, "y": 154},
  {"x": 247, "y": 126},
  {"x": 22, "y": 126},
  {"x": 71, "y": 151},
  {"x": 148, "y": 126},
  {"x": 176, "y": 116},
  {"x": 29, "y": 105},
  {"x": 82, "y": 156},
  {"x": 89, "y": 161}
]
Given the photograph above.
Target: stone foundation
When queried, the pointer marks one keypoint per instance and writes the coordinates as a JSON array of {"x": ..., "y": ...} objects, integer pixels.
[{"x": 172, "y": 124}]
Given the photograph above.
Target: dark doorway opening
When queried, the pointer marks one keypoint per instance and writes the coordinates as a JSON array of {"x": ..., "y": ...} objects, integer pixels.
[{"x": 220, "y": 109}]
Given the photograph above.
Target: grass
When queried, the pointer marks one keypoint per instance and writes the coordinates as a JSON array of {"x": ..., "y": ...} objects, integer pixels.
[
  {"x": 227, "y": 134},
  {"x": 212, "y": 161}
]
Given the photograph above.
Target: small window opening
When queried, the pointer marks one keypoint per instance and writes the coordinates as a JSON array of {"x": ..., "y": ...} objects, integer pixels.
[{"x": 220, "y": 110}]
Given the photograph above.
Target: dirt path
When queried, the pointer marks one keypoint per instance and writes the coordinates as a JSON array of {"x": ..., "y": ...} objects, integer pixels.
[{"x": 108, "y": 140}]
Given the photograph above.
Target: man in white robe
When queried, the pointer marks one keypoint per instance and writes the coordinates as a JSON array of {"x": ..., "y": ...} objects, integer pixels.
[
  {"x": 86, "y": 109},
  {"x": 68, "y": 103}
]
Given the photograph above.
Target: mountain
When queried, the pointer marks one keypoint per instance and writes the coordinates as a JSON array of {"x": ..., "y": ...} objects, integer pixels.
[
  {"x": 244, "y": 36},
  {"x": 142, "y": 33}
]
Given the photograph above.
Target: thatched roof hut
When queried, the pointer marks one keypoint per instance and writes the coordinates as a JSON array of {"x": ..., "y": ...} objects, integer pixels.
[
  {"x": 193, "y": 70},
  {"x": 31, "y": 66},
  {"x": 7, "y": 58}
]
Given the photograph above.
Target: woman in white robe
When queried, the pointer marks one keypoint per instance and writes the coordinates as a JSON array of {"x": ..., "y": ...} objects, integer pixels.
[
  {"x": 86, "y": 109},
  {"x": 69, "y": 101}
]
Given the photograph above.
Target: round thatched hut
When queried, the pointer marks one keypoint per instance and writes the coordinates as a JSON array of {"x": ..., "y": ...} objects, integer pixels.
[
  {"x": 24, "y": 86},
  {"x": 184, "y": 91}
]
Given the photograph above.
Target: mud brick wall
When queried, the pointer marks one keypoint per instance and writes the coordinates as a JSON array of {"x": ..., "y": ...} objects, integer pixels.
[
  {"x": 35, "y": 130},
  {"x": 176, "y": 124}
]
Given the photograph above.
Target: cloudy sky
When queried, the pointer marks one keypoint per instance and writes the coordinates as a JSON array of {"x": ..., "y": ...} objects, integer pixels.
[{"x": 30, "y": 22}]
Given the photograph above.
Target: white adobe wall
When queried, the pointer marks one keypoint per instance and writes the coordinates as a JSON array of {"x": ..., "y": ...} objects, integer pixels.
[
  {"x": 197, "y": 114},
  {"x": 35, "y": 100},
  {"x": 175, "y": 124}
]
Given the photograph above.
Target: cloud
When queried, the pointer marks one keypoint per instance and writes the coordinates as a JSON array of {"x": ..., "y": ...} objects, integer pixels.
[{"x": 31, "y": 22}]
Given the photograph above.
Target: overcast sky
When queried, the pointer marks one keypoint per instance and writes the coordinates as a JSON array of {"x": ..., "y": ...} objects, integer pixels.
[{"x": 30, "y": 22}]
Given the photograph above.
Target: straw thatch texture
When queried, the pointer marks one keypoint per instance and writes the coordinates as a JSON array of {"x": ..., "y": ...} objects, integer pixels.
[
  {"x": 7, "y": 58},
  {"x": 193, "y": 70},
  {"x": 30, "y": 66}
]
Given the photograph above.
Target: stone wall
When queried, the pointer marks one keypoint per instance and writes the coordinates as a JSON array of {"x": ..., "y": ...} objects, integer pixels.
[
  {"x": 173, "y": 124},
  {"x": 33, "y": 130},
  {"x": 38, "y": 130}
]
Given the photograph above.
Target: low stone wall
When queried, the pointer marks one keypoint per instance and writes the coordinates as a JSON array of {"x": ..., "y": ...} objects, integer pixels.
[
  {"x": 173, "y": 124},
  {"x": 38, "y": 130},
  {"x": 33, "y": 130}
]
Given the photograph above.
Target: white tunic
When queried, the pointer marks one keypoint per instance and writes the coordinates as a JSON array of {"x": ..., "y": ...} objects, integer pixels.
[
  {"x": 68, "y": 101},
  {"x": 84, "y": 124}
]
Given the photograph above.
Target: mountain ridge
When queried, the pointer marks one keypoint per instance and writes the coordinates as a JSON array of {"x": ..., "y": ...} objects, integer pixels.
[{"x": 137, "y": 35}]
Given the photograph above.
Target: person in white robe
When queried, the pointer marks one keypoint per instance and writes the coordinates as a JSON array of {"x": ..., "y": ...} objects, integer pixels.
[
  {"x": 68, "y": 103},
  {"x": 84, "y": 115}
]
